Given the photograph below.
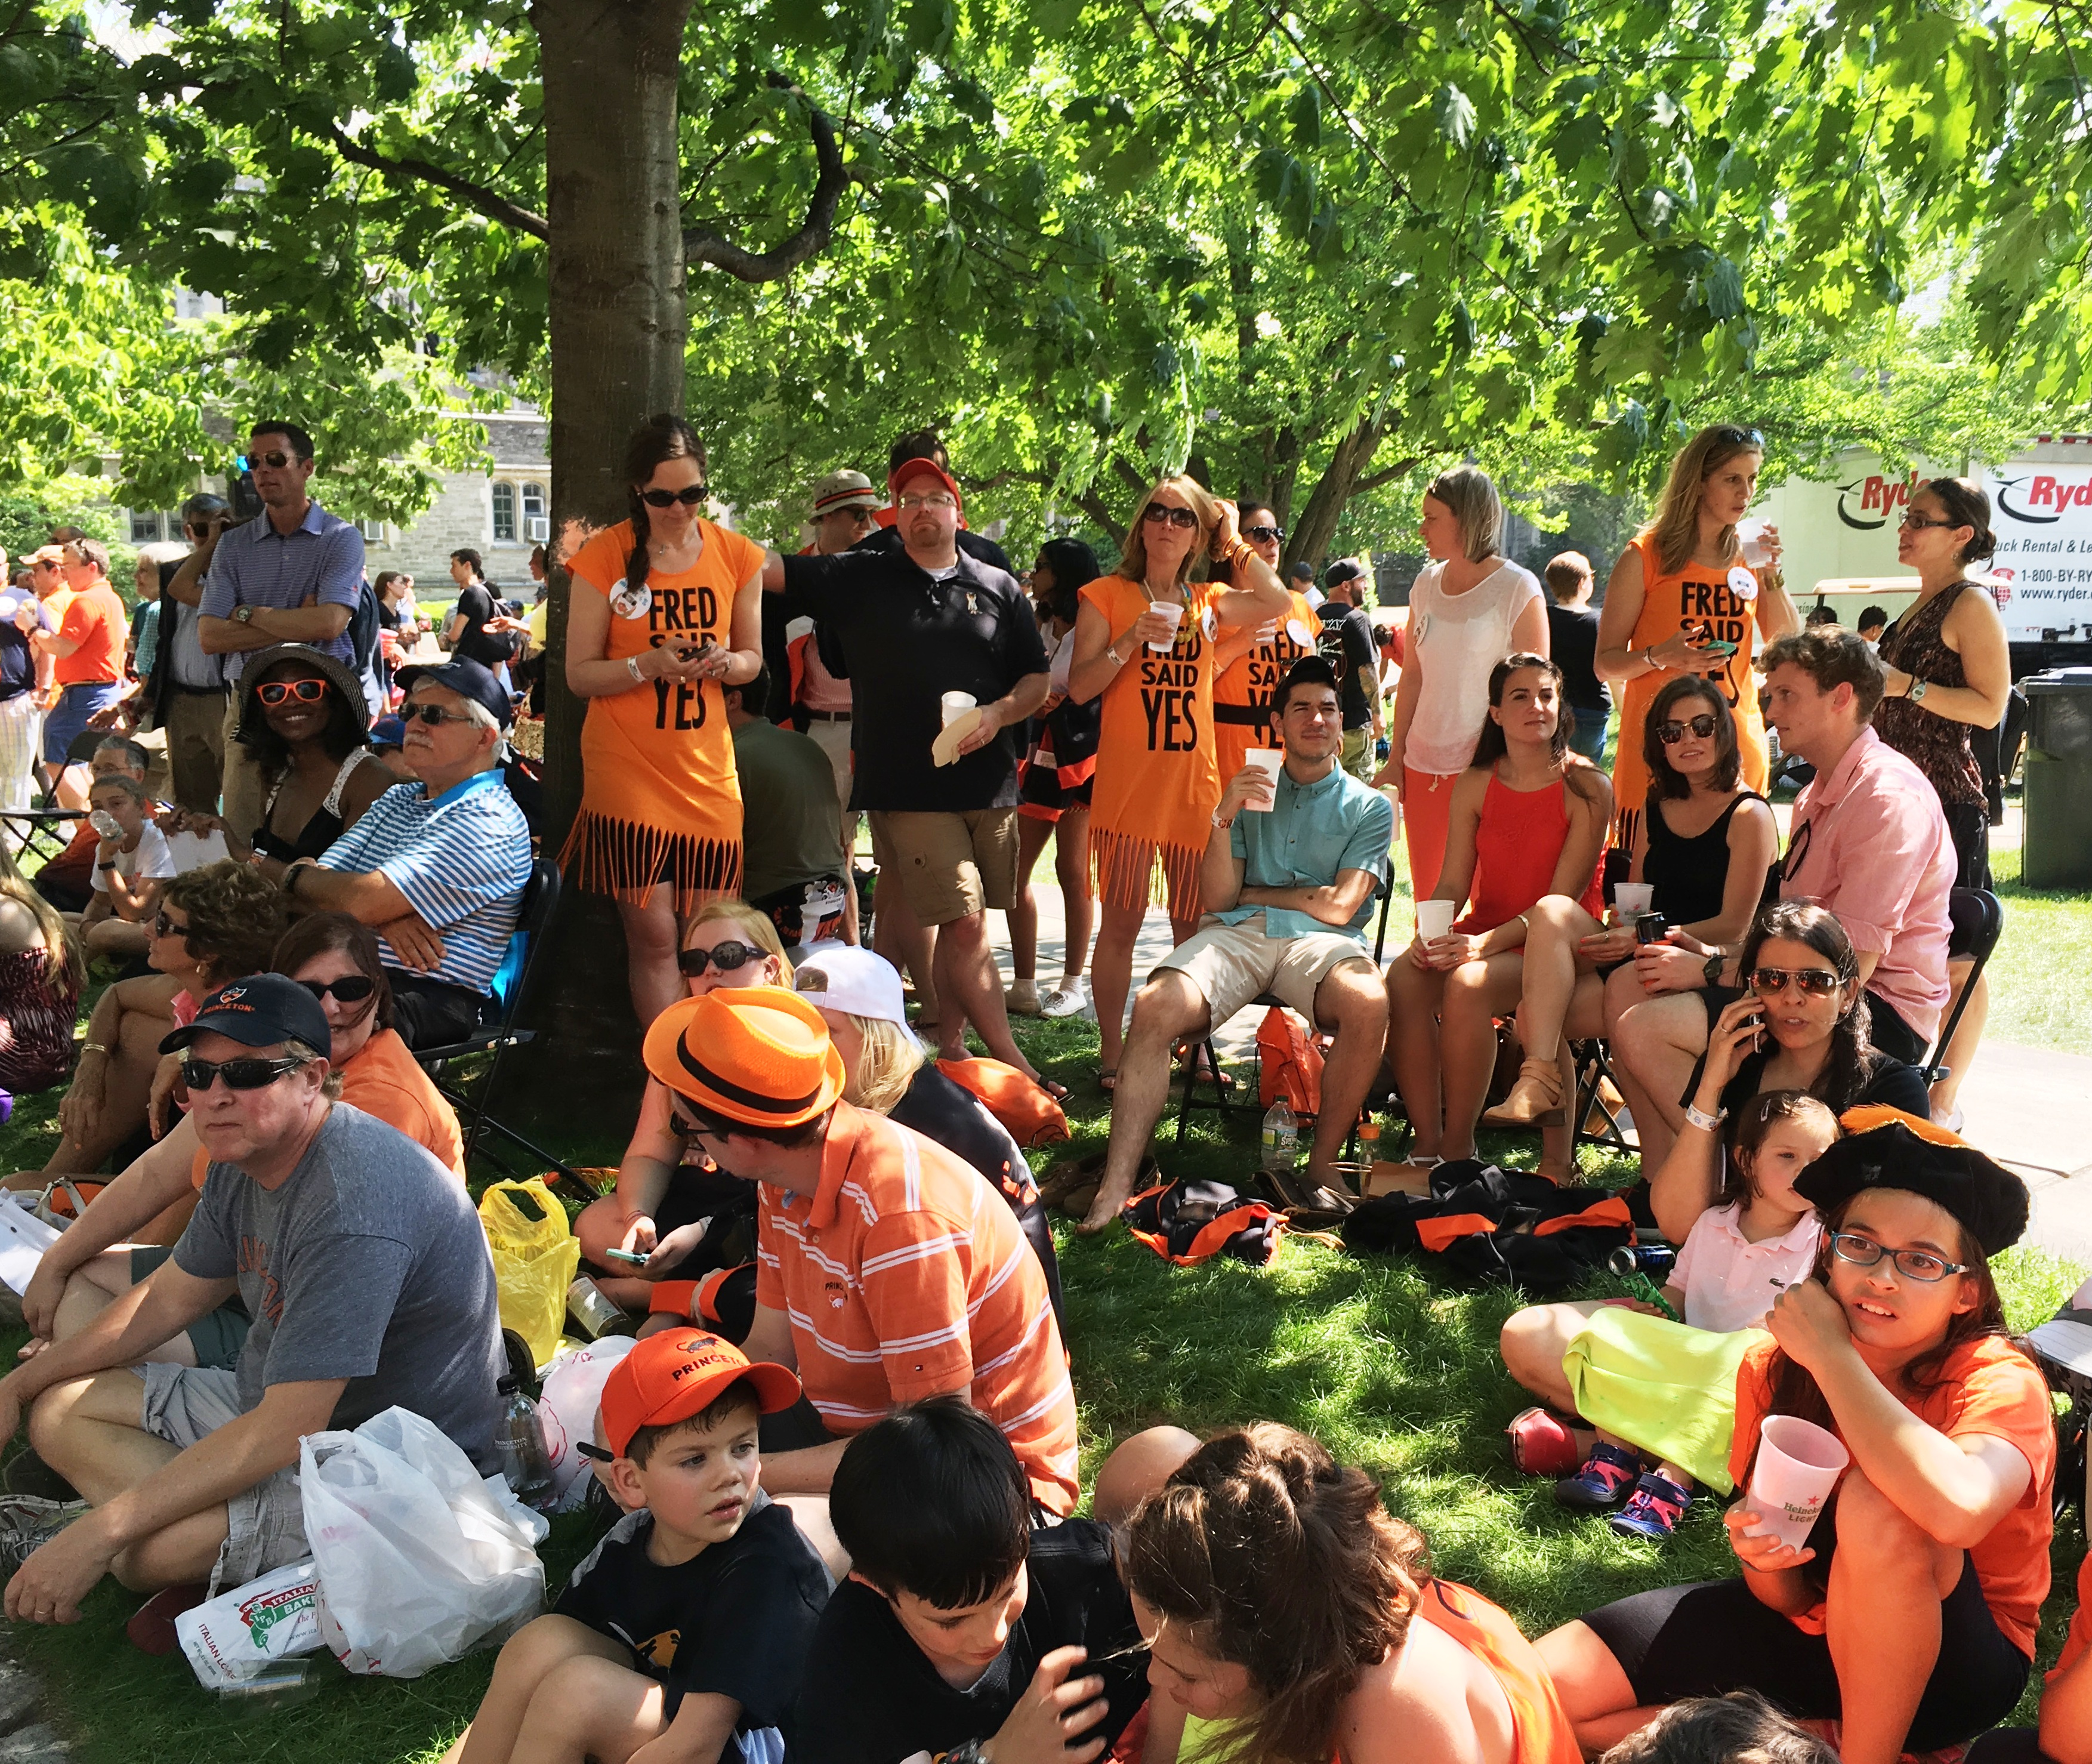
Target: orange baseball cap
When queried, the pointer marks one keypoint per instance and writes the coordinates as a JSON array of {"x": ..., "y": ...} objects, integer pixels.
[
  {"x": 758, "y": 1054},
  {"x": 669, "y": 1377}
]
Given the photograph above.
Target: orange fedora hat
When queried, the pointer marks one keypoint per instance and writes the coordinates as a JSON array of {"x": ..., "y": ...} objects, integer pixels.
[{"x": 758, "y": 1054}]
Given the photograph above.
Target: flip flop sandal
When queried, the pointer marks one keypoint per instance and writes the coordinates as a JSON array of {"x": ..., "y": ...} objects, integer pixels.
[
  {"x": 1107, "y": 1079},
  {"x": 1055, "y": 1089}
]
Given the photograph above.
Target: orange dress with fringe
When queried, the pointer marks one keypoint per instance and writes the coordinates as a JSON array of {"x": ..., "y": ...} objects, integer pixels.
[
  {"x": 1157, "y": 778},
  {"x": 660, "y": 797}
]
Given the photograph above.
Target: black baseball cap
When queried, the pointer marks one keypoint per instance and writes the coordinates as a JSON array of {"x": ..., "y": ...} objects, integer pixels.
[
  {"x": 1303, "y": 570},
  {"x": 1343, "y": 570},
  {"x": 257, "y": 1012},
  {"x": 468, "y": 679}
]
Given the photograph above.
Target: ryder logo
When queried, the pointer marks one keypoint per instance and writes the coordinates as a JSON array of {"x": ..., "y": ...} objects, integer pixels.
[
  {"x": 2041, "y": 498},
  {"x": 1867, "y": 503}
]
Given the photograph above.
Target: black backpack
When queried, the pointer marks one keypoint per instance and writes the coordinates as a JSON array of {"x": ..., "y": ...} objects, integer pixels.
[{"x": 1482, "y": 1223}]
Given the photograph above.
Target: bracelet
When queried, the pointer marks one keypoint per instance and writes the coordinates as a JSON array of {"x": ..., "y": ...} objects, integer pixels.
[
  {"x": 1117, "y": 659},
  {"x": 289, "y": 882},
  {"x": 1706, "y": 1122},
  {"x": 632, "y": 668},
  {"x": 110, "y": 865},
  {"x": 94, "y": 1047},
  {"x": 1220, "y": 825}
]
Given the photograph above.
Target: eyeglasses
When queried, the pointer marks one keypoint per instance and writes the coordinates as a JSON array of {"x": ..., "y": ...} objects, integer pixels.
[
  {"x": 1919, "y": 520},
  {"x": 275, "y": 462},
  {"x": 239, "y": 1074},
  {"x": 1160, "y": 512},
  {"x": 272, "y": 693},
  {"x": 164, "y": 927},
  {"x": 725, "y": 957},
  {"x": 1815, "y": 982},
  {"x": 1265, "y": 535},
  {"x": 1670, "y": 734},
  {"x": 1915, "y": 1265},
  {"x": 1729, "y": 435},
  {"x": 351, "y": 989},
  {"x": 431, "y": 714},
  {"x": 932, "y": 498},
  {"x": 690, "y": 496}
]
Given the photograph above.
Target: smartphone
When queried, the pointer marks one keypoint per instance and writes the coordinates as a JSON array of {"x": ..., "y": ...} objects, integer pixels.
[
  {"x": 633, "y": 1258},
  {"x": 1651, "y": 927},
  {"x": 1721, "y": 646}
]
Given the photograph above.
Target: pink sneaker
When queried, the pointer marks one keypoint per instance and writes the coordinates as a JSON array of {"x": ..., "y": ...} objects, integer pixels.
[{"x": 1541, "y": 1444}]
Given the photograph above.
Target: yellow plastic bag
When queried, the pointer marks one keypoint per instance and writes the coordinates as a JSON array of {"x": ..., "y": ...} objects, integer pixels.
[{"x": 536, "y": 1254}]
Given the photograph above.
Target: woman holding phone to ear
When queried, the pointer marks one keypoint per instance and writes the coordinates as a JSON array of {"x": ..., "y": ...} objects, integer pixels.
[
  {"x": 1682, "y": 600},
  {"x": 666, "y": 609}
]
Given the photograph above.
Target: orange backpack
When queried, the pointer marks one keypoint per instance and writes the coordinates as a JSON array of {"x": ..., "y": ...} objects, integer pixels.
[
  {"x": 1032, "y": 1116},
  {"x": 1289, "y": 1065}
]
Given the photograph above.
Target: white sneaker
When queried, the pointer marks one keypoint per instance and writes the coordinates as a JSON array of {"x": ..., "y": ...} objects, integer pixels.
[{"x": 1069, "y": 1000}]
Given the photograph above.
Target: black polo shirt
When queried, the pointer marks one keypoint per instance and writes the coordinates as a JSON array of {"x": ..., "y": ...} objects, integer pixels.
[{"x": 909, "y": 638}]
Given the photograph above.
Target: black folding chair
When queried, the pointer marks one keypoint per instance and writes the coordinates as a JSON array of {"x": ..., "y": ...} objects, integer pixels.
[
  {"x": 79, "y": 753},
  {"x": 1594, "y": 1075},
  {"x": 1205, "y": 1057},
  {"x": 501, "y": 1031},
  {"x": 1978, "y": 918},
  {"x": 42, "y": 833}
]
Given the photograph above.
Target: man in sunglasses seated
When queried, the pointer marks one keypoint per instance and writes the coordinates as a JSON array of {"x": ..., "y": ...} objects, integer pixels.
[
  {"x": 364, "y": 1267},
  {"x": 437, "y": 867},
  {"x": 294, "y": 574},
  {"x": 914, "y": 622}
]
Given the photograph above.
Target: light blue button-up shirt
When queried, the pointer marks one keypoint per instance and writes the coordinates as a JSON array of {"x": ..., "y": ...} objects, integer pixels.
[{"x": 1309, "y": 834}]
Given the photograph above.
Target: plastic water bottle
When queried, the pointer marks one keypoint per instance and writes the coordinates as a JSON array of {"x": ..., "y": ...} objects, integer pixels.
[
  {"x": 1282, "y": 1140},
  {"x": 519, "y": 1437}
]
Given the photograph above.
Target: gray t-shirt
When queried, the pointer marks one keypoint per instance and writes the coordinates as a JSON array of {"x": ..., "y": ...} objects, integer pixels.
[{"x": 368, "y": 1263}]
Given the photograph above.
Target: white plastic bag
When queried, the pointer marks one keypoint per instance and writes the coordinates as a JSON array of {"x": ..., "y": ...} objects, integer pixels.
[
  {"x": 419, "y": 1563},
  {"x": 573, "y": 1392},
  {"x": 240, "y": 1634}
]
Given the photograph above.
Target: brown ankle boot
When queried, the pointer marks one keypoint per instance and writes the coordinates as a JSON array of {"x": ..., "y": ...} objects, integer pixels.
[{"x": 1535, "y": 1100}]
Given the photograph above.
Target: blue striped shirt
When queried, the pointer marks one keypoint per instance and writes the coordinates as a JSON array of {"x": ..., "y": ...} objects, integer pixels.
[
  {"x": 255, "y": 565},
  {"x": 462, "y": 859}
]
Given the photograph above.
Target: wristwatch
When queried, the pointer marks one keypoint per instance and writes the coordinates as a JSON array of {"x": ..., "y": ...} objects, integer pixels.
[
  {"x": 1918, "y": 689},
  {"x": 1712, "y": 968},
  {"x": 243, "y": 615}
]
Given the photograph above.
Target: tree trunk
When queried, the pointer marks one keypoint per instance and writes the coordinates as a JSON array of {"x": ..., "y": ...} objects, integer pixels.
[
  {"x": 1318, "y": 524},
  {"x": 618, "y": 322}
]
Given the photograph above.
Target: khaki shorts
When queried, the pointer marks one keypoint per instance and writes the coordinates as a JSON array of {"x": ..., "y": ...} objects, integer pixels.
[
  {"x": 264, "y": 1524},
  {"x": 1232, "y": 964},
  {"x": 949, "y": 865}
]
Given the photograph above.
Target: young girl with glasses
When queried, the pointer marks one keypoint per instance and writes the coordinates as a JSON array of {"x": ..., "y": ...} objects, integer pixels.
[
  {"x": 1908, "y": 1615},
  {"x": 669, "y": 1194},
  {"x": 1800, "y": 1024}
]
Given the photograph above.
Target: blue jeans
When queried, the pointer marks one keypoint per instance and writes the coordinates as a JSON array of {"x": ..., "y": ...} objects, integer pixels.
[
  {"x": 1589, "y": 739},
  {"x": 66, "y": 721}
]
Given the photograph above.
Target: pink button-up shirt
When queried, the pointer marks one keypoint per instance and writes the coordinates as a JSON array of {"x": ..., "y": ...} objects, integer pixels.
[{"x": 1869, "y": 843}]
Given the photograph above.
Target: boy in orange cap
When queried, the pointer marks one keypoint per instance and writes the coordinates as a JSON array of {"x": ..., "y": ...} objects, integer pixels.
[
  {"x": 689, "y": 1622},
  {"x": 887, "y": 1270}
]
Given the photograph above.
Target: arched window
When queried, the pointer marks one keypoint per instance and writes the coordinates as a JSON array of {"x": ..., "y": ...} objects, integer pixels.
[
  {"x": 504, "y": 512},
  {"x": 537, "y": 526}
]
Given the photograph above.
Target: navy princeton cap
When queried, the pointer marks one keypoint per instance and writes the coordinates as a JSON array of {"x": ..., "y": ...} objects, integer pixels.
[
  {"x": 257, "y": 1012},
  {"x": 468, "y": 679}
]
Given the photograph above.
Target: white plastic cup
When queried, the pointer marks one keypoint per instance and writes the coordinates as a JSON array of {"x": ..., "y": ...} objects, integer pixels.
[
  {"x": 1434, "y": 919},
  {"x": 1266, "y": 760},
  {"x": 1174, "y": 613},
  {"x": 1631, "y": 899},
  {"x": 1750, "y": 535},
  {"x": 1799, "y": 1464},
  {"x": 956, "y": 705}
]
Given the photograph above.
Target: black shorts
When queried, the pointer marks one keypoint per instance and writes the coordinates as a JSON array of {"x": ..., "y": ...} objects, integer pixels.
[
  {"x": 1892, "y": 1035},
  {"x": 1713, "y": 1637}
]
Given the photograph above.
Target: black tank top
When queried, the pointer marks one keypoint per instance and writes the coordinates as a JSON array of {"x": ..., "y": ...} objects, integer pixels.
[{"x": 1690, "y": 875}]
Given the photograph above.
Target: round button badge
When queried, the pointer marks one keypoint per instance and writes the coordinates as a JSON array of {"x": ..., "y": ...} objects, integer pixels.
[
  {"x": 1743, "y": 584},
  {"x": 628, "y": 603},
  {"x": 1298, "y": 632}
]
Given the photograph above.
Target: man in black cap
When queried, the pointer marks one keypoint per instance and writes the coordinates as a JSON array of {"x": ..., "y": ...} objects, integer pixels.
[
  {"x": 437, "y": 867},
  {"x": 1347, "y": 645},
  {"x": 364, "y": 1267}
]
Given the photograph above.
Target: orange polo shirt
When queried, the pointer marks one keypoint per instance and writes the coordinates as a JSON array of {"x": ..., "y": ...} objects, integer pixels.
[
  {"x": 94, "y": 620},
  {"x": 904, "y": 1275},
  {"x": 385, "y": 1083}
]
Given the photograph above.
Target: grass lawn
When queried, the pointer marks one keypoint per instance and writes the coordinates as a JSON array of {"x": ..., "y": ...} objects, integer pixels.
[
  {"x": 2038, "y": 972},
  {"x": 1395, "y": 1370}
]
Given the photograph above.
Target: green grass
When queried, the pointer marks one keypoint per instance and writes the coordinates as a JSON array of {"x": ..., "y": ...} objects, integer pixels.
[
  {"x": 1396, "y": 1370},
  {"x": 2038, "y": 971}
]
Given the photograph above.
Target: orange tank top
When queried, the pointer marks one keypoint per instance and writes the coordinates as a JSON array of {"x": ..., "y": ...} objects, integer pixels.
[
  {"x": 1157, "y": 780},
  {"x": 1542, "y": 1730},
  {"x": 1242, "y": 695},
  {"x": 659, "y": 759},
  {"x": 1672, "y": 603}
]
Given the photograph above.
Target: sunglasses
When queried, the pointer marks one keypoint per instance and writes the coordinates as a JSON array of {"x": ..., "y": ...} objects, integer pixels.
[
  {"x": 272, "y": 693},
  {"x": 239, "y": 1074},
  {"x": 1670, "y": 734},
  {"x": 1914, "y": 1264},
  {"x": 164, "y": 927},
  {"x": 1265, "y": 535},
  {"x": 725, "y": 957},
  {"x": 275, "y": 462},
  {"x": 351, "y": 989},
  {"x": 1815, "y": 982},
  {"x": 690, "y": 496},
  {"x": 433, "y": 714},
  {"x": 1158, "y": 512},
  {"x": 1729, "y": 435}
]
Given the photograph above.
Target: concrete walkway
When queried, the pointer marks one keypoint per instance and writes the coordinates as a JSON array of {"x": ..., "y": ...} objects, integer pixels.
[{"x": 2030, "y": 1108}]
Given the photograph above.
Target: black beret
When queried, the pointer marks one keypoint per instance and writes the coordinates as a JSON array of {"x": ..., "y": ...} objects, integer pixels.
[{"x": 1887, "y": 1148}]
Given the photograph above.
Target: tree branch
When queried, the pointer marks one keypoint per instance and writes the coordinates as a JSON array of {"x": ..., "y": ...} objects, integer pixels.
[
  {"x": 1388, "y": 476},
  {"x": 491, "y": 203},
  {"x": 702, "y": 246}
]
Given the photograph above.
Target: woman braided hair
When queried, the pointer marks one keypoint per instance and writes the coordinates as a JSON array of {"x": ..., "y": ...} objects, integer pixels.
[{"x": 663, "y": 437}]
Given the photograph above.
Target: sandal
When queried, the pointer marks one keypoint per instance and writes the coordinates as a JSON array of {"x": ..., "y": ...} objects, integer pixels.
[
  {"x": 1055, "y": 1089},
  {"x": 1653, "y": 1509},
  {"x": 1608, "y": 1475},
  {"x": 1108, "y": 1078}
]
